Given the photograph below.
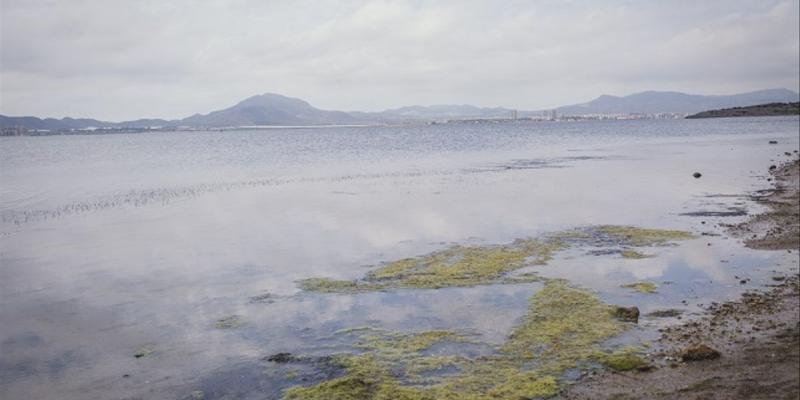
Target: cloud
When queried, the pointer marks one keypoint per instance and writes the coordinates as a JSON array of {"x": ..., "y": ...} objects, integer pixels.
[{"x": 129, "y": 59}]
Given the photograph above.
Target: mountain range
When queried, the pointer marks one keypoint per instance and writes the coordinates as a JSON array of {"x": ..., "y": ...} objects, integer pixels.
[
  {"x": 275, "y": 109},
  {"x": 651, "y": 102}
]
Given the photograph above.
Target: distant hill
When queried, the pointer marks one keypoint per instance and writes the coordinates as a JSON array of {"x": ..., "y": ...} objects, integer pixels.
[
  {"x": 270, "y": 109},
  {"x": 445, "y": 111},
  {"x": 653, "y": 102},
  {"x": 275, "y": 109},
  {"x": 761, "y": 110}
]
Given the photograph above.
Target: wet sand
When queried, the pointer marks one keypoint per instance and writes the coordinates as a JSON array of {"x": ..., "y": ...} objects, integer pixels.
[{"x": 752, "y": 345}]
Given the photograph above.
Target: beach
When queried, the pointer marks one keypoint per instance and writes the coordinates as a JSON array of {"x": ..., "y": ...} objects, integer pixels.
[{"x": 756, "y": 338}]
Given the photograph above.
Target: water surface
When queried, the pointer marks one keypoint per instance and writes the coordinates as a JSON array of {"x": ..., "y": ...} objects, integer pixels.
[{"x": 109, "y": 244}]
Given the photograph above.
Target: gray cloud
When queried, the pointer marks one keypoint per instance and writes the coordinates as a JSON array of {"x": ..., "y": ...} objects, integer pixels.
[{"x": 128, "y": 59}]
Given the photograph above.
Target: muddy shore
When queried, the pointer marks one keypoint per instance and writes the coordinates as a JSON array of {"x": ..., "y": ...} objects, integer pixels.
[{"x": 743, "y": 349}]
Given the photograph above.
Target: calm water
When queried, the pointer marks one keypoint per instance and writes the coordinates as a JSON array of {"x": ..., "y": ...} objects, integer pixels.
[{"x": 111, "y": 243}]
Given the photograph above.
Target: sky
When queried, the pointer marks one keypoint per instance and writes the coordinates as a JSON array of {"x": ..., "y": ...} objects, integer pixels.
[{"x": 120, "y": 60}]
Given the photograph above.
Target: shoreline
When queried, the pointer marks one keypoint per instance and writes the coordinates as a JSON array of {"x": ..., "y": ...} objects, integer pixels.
[{"x": 747, "y": 348}]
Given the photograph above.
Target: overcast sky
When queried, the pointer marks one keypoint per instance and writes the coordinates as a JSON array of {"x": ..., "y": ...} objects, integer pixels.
[{"x": 118, "y": 60}]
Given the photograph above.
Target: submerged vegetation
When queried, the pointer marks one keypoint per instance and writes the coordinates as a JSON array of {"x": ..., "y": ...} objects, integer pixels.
[
  {"x": 634, "y": 255},
  {"x": 562, "y": 330},
  {"x": 643, "y": 287},
  {"x": 481, "y": 265},
  {"x": 229, "y": 322},
  {"x": 454, "y": 266}
]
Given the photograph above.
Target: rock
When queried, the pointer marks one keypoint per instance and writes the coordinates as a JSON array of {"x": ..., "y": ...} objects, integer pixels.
[
  {"x": 629, "y": 314},
  {"x": 282, "y": 358},
  {"x": 773, "y": 142},
  {"x": 645, "y": 368},
  {"x": 772, "y": 167},
  {"x": 697, "y": 175},
  {"x": 668, "y": 313},
  {"x": 699, "y": 352}
]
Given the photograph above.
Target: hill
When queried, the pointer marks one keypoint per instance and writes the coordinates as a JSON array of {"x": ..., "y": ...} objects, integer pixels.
[
  {"x": 761, "y": 110},
  {"x": 652, "y": 102},
  {"x": 274, "y": 109},
  {"x": 270, "y": 109}
]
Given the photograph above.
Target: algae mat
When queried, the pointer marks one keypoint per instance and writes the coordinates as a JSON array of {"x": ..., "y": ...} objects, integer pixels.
[
  {"x": 563, "y": 329},
  {"x": 460, "y": 266}
]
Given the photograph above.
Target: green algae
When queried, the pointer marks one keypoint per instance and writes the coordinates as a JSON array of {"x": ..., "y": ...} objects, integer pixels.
[
  {"x": 229, "y": 322},
  {"x": 145, "y": 351},
  {"x": 633, "y": 236},
  {"x": 562, "y": 329},
  {"x": 463, "y": 266},
  {"x": 634, "y": 255},
  {"x": 624, "y": 360},
  {"x": 642, "y": 287},
  {"x": 451, "y": 267},
  {"x": 326, "y": 285},
  {"x": 197, "y": 395}
]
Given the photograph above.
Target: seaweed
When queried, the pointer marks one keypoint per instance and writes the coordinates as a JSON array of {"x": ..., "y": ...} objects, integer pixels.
[
  {"x": 563, "y": 329},
  {"x": 634, "y": 255},
  {"x": 229, "y": 322},
  {"x": 643, "y": 287},
  {"x": 460, "y": 266}
]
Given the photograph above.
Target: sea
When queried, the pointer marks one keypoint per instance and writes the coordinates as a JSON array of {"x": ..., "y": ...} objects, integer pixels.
[{"x": 120, "y": 254}]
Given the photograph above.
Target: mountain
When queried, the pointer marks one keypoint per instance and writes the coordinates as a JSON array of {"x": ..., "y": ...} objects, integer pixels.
[
  {"x": 652, "y": 102},
  {"x": 52, "y": 123},
  {"x": 65, "y": 124},
  {"x": 444, "y": 111},
  {"x": 275, "y": 109},
  {"x": 270, "y": 109}
]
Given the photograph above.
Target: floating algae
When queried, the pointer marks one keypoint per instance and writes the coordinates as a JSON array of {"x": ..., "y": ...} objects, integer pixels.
[
  {"x": 145, "y": 351},
  {"x": 563, "y": 329},
  {"x": 229, "y": 322},
  {"x": 643, "y": 287},
  {"x": 634, "y": 255},
  {"x": 633, "y": 236},
  {"x": 454, "y": 266},
  {"x": 460, "y": 266}
]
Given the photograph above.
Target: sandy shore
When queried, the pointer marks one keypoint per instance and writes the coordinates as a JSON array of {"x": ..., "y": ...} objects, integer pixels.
[{"x": 743, "y": 349}]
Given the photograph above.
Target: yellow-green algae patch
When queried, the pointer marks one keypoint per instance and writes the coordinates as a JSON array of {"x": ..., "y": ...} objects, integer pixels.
[
  {"x": 633, "y": 236},
  {"x": 634, "y": 255},
  {"x": 454, "y": 266},
  {"x": 460, "y": 266},
  {"x": 229, "y": 322},
  {"x": 643, "y": 287},
  {"x": 623, "y": 361},
  {"x": 563, "y": 329}
]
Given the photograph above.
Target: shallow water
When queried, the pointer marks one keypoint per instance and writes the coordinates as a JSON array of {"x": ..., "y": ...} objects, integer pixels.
[{"x": 112, "y": 243}]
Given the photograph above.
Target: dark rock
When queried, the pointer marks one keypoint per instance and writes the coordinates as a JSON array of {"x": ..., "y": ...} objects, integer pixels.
[
  {"x": 772, "y": 167},
  {"x": 773, "y": 142},
  {"x": 668, "y": 313},
  {"x": 697, "y": 175},
  {"x": 629, "y": 314},
  {"x": 699, "y": 352},
  {"x": 282, "y": 358},
  {"x": 645, "y": 368}
]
